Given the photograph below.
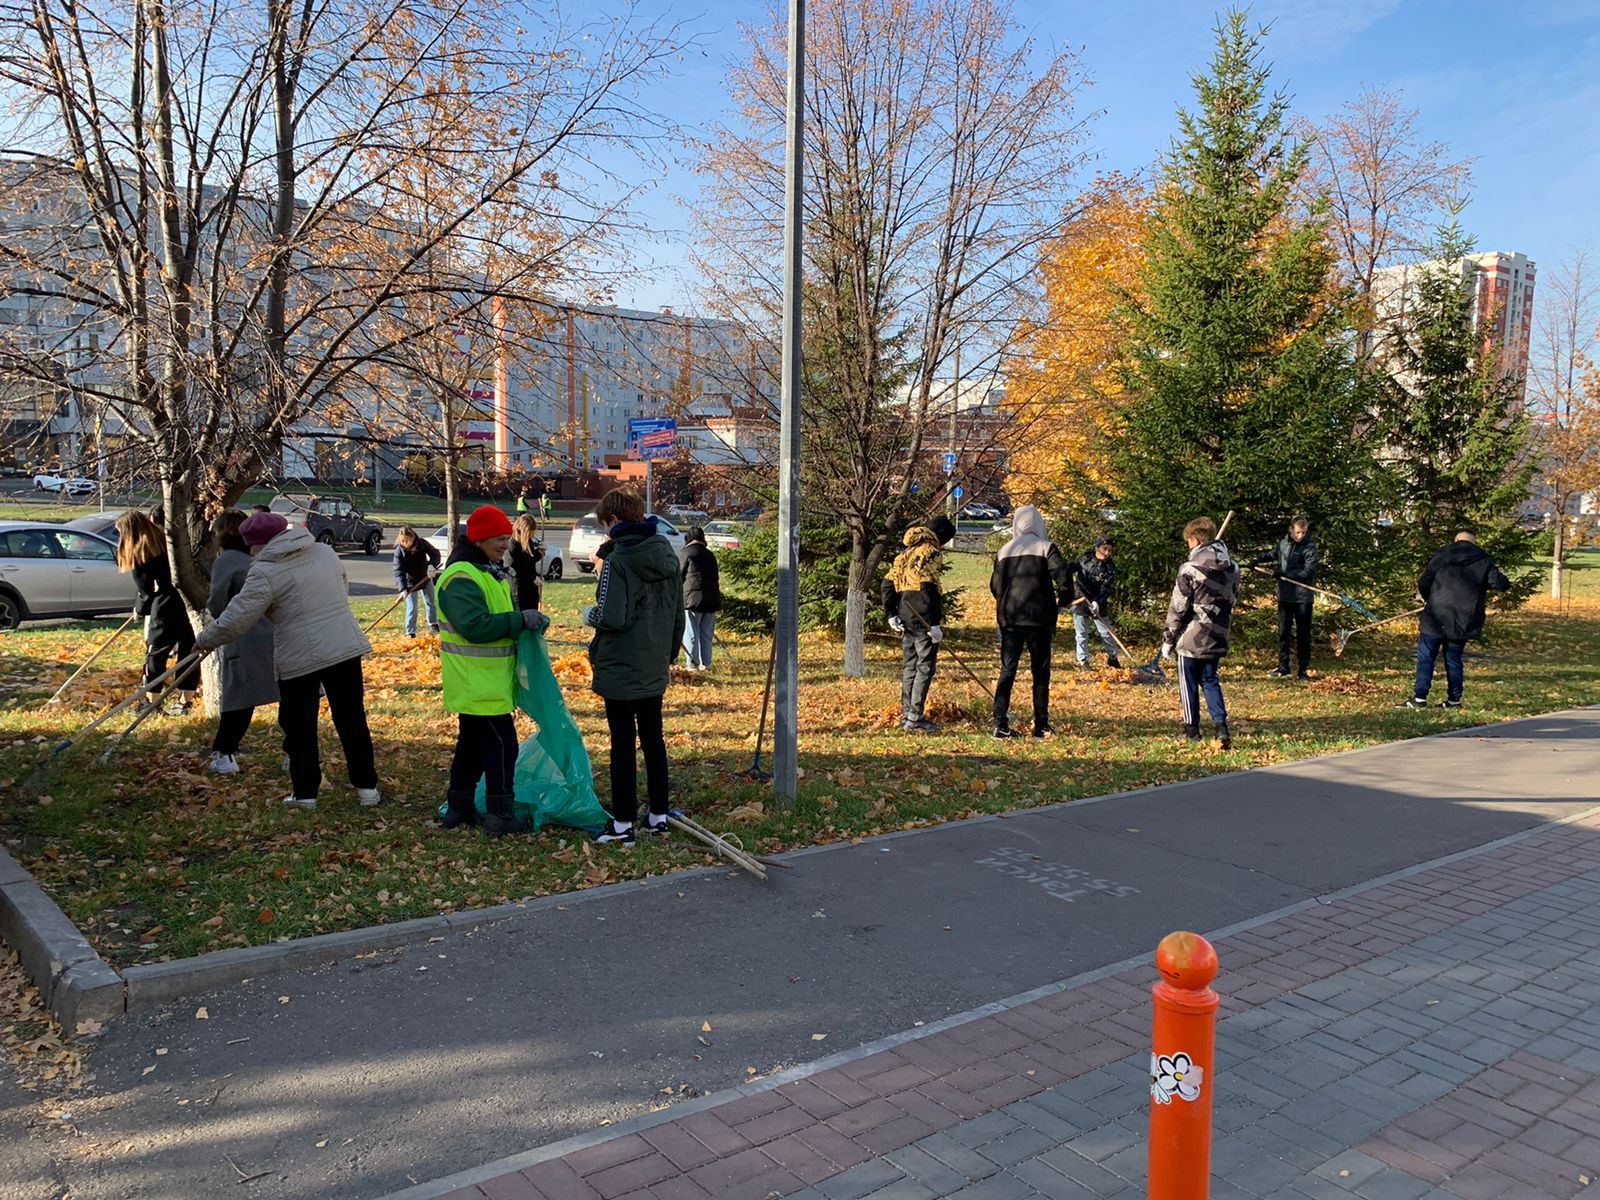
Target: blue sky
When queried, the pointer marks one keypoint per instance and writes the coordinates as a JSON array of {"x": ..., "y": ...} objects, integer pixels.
[{"x": 1514, "y": 84}]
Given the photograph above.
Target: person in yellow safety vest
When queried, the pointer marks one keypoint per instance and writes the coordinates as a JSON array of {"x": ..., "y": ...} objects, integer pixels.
[{"x": 478, "y": 629}]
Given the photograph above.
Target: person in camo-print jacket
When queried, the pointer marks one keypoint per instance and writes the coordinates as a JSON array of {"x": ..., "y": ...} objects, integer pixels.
[{"x": 1198, "y": 624}]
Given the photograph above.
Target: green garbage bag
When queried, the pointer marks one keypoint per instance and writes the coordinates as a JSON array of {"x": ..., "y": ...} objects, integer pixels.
[{"x": 552, "y": 783}]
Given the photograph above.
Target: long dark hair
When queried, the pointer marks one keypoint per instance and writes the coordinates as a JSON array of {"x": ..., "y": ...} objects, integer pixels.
[{"x": 225, "y": 530}]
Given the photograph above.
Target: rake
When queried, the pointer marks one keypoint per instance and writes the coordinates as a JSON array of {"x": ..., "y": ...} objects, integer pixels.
[
  {"x": 1342, "y": 638},
  {"x": 1343, "y": 598},
  {"x": 104, "y": 646},
  {"x": 1151, "y": 670},
  {"x": 411, "y": 591},
  {"x": 755, "y": 774}
]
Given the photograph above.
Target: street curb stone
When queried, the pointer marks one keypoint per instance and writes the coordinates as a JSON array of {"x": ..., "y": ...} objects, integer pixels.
[{"x": 73, "y": 980}]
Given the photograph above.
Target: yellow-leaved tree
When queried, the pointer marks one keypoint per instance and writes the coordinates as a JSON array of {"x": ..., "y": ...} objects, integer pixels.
[{"x": 1063, "y": 390}]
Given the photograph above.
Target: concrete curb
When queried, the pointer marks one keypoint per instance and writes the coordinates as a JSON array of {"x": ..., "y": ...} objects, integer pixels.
[
  {"x": 75, "y": 982},
  {"x": 438, "y": 1188}
]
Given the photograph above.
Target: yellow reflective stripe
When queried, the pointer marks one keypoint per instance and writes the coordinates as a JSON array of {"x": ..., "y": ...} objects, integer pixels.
[{"x": 475, "y": 650}]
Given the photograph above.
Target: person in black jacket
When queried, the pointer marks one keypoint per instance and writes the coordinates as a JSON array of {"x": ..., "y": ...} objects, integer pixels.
[
  {"x": 415, "y": 562},
  {"x": 702, "y": 597},
  {"x": 1294, "y": 562},
  {"x": 1454, "y": 590},
  {"x": 914, "y": 606},
  {"x": 142, "y": 553},
  {"x": 1094, "y": 574},
  {"x": 526, "y": 558},
  {"x": 1031, "y": 583}
]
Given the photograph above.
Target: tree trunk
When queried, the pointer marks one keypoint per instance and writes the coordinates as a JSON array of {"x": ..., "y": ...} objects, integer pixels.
[
  {"x": 1560, "y": 552},
  {"x": 855, "y": 612}
]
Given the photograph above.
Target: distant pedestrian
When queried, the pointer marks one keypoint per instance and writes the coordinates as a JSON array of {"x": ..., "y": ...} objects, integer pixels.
[
  {"x": 299, "y": 585},
  {"x": 1094, "y": 574},
  {"x": 545, "y": 506},
  {"x": 1031, "y": 583},
  {"x": 526, "y": 560},
  {"x": 1294, "y": 562},
  {"x": 246, "y": 676},
  {"x": 522, "y": 501},
  {"x": 1455, "y": 590},
  {"x": 1199, "y": 619},
  {"x": 638, "y": 619},
  {"x": 168, "y": 635},
  {"x": 416, "y": 561},
  {"x": 913, "y": 602},
  {"x": 478, "y": 662},
  {"x": 702, "y": 598}
]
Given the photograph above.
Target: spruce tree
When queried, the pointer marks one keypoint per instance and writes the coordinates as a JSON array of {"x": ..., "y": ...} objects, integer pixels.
[
  {"x": 1454, "y": 428},
  {"x": 1241, "y": 390}
]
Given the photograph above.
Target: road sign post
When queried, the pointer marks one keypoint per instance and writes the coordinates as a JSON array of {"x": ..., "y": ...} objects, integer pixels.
[{"x": 652, "y": 438}]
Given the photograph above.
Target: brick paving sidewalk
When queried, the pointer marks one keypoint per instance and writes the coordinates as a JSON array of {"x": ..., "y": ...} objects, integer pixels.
[{"x": 1434, "y": 1036}]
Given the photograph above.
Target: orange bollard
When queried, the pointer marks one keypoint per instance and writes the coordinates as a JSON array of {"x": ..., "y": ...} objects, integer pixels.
[{"x": 1182, "y": 1053}]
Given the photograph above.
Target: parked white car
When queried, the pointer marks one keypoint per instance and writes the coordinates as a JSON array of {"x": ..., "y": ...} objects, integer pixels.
[
  {"x": 725, "y": 535},
  {"x": 67, "y": 485},
  {"x": 554, "y": 568},
  {"x": 686, "y": 515},
  {"x": 53, "y": 571},
  {"x": 588, "y": 535}
]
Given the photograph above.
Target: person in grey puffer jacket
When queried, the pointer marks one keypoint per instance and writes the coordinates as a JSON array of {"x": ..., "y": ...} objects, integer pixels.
[
  {"x": 299, "y": 585},
  {"x": 1199, "y": 619},
  {"x": 245, "y": 674}
]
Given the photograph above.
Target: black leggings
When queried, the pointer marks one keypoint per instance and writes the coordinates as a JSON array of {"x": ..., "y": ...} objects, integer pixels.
[
  {"x": 637, "y": 722},
  {"x": 486, "y": 748},
  {"x": 155, "y": 662},
  {"x": 232, "y": 725},
  {"x": 298, "y": 701}
]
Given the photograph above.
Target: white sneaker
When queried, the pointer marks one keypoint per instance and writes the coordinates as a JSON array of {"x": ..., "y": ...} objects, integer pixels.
[
  {"x": 224, "y": 764},
  {"x": 293, "y": 801},
  {"x": 369, "y": 797}
]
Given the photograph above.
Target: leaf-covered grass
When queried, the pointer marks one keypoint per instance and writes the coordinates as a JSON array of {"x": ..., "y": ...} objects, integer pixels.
[{"x": 156, "y": 858}]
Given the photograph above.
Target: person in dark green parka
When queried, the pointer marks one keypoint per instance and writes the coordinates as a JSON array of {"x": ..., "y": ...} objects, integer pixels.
[{"x": 638, "y": 619}]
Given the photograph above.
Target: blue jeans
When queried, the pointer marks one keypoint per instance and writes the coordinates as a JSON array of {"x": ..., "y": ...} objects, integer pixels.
[
  {"x": 698, "y": 628},
  {"x": 1194, "y": 676},
  {"x": 1081, "y": 621},
  {"x": 425, "y": 595},
  {"x": 1428, "y": 647}
]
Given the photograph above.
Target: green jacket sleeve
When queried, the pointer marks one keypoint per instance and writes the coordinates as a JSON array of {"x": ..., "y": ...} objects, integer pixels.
[
  {"x": 463, "y": 605},
  {"x": 611, "y": 602}
]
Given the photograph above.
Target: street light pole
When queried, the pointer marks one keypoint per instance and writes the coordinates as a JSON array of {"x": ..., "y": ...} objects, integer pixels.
[{"x": 786, "y": 633}]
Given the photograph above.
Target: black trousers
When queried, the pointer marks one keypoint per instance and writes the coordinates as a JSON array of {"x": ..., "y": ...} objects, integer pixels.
[
  {"x": 1295, "y": 616},
  {"x": 232, "y": 725},
  {"x": 297, "y": 717},
  {"x": 1013, "y": 640},
  {"x": 179, "y": 646},
  {"x": 486, "y": 748},
  {"x": 919, "y": 655},
  {"x": 637, "y": 722}
]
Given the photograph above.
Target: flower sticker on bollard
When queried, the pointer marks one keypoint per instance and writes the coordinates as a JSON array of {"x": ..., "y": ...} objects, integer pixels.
[{"x": 1174, "y": 1075}]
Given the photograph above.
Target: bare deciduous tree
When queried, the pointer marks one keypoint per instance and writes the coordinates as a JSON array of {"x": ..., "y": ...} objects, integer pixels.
[{"x": 939, "y": 146}]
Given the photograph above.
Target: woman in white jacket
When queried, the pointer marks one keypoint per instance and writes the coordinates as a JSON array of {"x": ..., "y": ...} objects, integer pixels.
[{"x": 299, "y": 585}]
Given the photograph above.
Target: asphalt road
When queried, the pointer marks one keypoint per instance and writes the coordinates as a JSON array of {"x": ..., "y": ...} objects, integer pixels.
[{"x": 356, "y": 1080}]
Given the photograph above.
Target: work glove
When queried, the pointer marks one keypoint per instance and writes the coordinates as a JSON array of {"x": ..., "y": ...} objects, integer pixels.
[
  {"x": 896, "y": 624},
  {"x": 1166, "y": 651},
  {"x": 1094, "y": 608},
  {"x": 591, "y": 615},
  {"x": 535, "y": 620},
  {"x": 935, "y": 634}
]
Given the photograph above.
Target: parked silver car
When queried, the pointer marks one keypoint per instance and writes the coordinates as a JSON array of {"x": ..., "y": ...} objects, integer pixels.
[
  {"x": 588, "y": 535},
  {"x": 53, "y": 571}
]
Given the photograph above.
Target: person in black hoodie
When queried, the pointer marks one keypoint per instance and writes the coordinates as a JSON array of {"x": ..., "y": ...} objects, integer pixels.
[
  {"x": 1031, "y": 583},
  {"x": 1094, "y": 574},
  {"x": 415, "y": 561},
  {"x": 1294, "y": 562},
  {"x": 1454, "y": 590},
  {"x": 142, "y": 553},
  {"x": 702, "y": 598},
  {"x": 914, "y": 606}
]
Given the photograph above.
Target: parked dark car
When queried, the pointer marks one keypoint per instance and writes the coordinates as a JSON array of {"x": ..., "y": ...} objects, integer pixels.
[{"x": 332, "y": 520}]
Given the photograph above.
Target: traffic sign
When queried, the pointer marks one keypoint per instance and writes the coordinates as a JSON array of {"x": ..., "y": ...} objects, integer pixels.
[
  {"x": 653, "y": 437},
  {"x": 957, "y": 492},
  {"x": 949, "y": 464}
]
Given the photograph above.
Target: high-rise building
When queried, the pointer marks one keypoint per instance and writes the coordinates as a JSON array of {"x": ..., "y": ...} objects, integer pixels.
[{"x": 1502, "y": 308}]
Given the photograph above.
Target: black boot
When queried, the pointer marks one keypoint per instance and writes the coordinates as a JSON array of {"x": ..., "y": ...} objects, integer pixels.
[
  {"x": 461, "y": 810},
  {"x": 1191, "y": 733},
  {"x": 500, "y": 819},
  {"x": 1223, "y": 740}
]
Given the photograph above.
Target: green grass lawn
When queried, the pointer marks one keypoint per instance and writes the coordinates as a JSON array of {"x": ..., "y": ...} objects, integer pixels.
[{"x": 156, "y": 858}]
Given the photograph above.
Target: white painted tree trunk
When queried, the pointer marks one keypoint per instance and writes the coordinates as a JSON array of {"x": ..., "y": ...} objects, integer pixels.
[{"x": 1555, "y": 567}]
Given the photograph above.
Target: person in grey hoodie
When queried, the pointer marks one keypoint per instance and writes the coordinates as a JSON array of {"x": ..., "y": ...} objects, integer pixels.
[
  {"x": 1031, "y": 583},
  {"x": 1199, "y": 619},
  {"x": 246, "y": 675},
  {"x": 299, "y": 585}
]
